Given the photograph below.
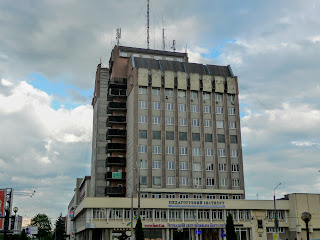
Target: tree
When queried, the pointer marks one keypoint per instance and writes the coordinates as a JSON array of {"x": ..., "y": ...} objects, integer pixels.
[
  {"x": 60, "y": 231},
  {"x": 138, "y": 230},
  {"x": 24, "y": 235},
  {"x": 43, "y": 222},
  {"x": 231, "y": 233}
]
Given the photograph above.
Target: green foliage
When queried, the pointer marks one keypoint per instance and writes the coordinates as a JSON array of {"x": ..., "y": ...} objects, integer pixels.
[
  {"x": 43, "y": 222},
  {"x": 139, "y": 234},
  {"x": 231, "y": 233},
  {"x": 23, "y": 235},
  {"x": 60, "y": 231}
]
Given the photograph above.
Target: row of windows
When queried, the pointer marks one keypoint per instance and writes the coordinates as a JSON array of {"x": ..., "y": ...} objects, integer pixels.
[
  {"x": 183, "y": 107},
  {"x": 184, "y": 181},
  {"x": 170, "y": 165},
  {"x": 183, "y": 94},
  {"x": 184, "y": 151},
  {"x": 187, "y": 195}
]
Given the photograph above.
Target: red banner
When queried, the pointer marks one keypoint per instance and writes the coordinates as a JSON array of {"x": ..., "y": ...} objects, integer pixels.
[{"x": 2, "y": 203}]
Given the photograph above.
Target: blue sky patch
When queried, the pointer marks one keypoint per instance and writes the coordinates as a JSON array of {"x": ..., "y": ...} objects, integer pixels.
[{"x": 216, "y": 52}]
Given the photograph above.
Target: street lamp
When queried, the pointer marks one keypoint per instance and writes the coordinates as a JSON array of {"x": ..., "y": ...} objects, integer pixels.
[
  {"x": 276, "y": 223},
  {"x": 306, "y": 217}
]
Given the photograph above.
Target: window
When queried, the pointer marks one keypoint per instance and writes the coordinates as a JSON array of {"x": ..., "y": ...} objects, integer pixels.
[
  {"x": 273, "y": 230},
  {"x": 123, "y": 54},
  {"x": 156, "y": 149},
  {"x": 155, "y": 91},
  {"x": 156, "y": 120},
  {"x": 169, "y": 135},
  {"x": 156, "y": 135},
  {"x": 169, "y": 150},
  {"x": 210, "y": 181},
  {"x": 236, "y": 197},
  {"x": 183, "y": 151},
  {"x": 218, "y": 96},
  {"x": 170, "y": 165},
  {"x": 220, "y": 124},
  {"x": 156, "y": 180},
  {"x": 142, "y": 119},
  {"x": 224, "y": 197},
  {"x": 206, "y": 109},
  {"x": 195, "y": 122},
  {"x": 184, "y": 195},
  {"x": 196, "y": 166},
  {"x": 142, "y": 149},
  {"x": 169, "y": 106},
  {"x": 236, "y": 182},
  {"x": 156, "y": 105},
  {"x": 156, "y": 195},
  {"x": 143, "y": 164},
  {"x": 196, "y": 152},
  {"x": 182, "y": 107},
  {"x": 170, "y": 180},
  {"x": 235, "y": 168},
  {"x": 209, "y": 152},
  {"x": 195, "y": 136},
  {"x": 146, "y": 56},
  {"x": 142, "y": 90},
  {"x": 260, "y": 224},
  {"x": 183, "y": 181},
  {"x": 197, "y": 181},
  {"x": 168, "y": 92},
  {"x": 156, "y": 164},
  {"x": 182, "y": 136},
  {"x": 170, "y": 195},
  {"x": 209, "y": 166},
  {"x": 221, "y": 152},
  {"x": 232, "y": 125},
  {"x": 194, "y": 95},
  {"x": 142, "y": 105},
  {"x": 233, "y": 139},
  {"x": 194, "y": 108},
  {"x": 143, "y": 180},
  {"x": 208, "y": 137},
  {"x": 223, "y": 183},
  {"x": 219, "y": 110},
  {"x": 181, "y": 94},
  {"x": 221, "y": 138},
  {"x": 222, "y": 167},
  {"x": 207, "y": 123},
  {"x": 183, "y": 165},
  {"x": 142, "y": 133},
  {"x": 182, "y": 122},
  {"x": 211, "y": 196},
  {"x": 232, "y": 111},
  {"x": 197, "y": 196},
  {"x": 206, "y": 96},
  {"x": 231, "y": 97},
  {"x": 169, "y": 120},
  {"x": 234, "y": 153}
]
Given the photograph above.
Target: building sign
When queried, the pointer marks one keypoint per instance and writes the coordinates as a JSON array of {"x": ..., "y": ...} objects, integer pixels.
[
  {"x": 197, "y": 204},
  {"x": 154, "y": 225},
  {"x": 2, "y": 204},
  {"x": 117, "y": 175},
  {"x": 197, "y": 225}
]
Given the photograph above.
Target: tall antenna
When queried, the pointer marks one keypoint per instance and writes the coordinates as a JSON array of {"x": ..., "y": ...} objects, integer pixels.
[
  {"x": 163, "y": 41},
  {"x": 148, "y": 23},
  {"x": 173, "y": 45},
  {"x": 118, "y": 36}
]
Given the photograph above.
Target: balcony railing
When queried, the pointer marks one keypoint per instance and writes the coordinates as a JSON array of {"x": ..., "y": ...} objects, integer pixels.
[
  {"x": 115, "y": 190},
  {"x": 116, "y": 92},
  {"x": 118, "y": 82},
  {"x": 116, "y": 119},
  {"x": 111, "y": 161},
  {"x": 115, "y": 133},
  {"x": 116, "y": 106},
  {"x": 116, "y": 147},
  {"x": 115, "y": 175}
]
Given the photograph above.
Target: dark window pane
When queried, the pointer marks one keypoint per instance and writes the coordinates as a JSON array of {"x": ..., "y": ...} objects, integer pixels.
[
  {"x": 233, "y": 139},
  {"x": 156, "y": 135},
  {"x": 182, "y": 136},
  {"x": 169, "y": 135},
  {"x": 208, "y": 137},
  {"x": 195, "y": 136},
  {"x": 142, "y": 133},
  {"x": 221, "y": 138}
]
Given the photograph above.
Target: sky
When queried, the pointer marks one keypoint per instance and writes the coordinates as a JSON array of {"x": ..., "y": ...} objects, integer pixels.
[{"x": 49, "y": 51}]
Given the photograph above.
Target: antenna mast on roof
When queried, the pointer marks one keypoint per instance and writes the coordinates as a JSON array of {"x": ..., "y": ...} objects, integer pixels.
[
  {"x": 148, "y": 23},
  {"x": 163, "y": 41},
  {"x": 118, "y": 36},
  {"x": 173, "y": 45}
]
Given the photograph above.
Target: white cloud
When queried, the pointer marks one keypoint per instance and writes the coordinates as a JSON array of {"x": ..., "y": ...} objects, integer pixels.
[{"x": 5, "y": 83}]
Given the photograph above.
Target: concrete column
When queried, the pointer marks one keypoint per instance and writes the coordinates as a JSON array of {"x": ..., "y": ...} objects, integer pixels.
[
  {"x": 90, "y": 234},
  {"x": 107, "y": 234},
  {"x": 167, "y": 234}
]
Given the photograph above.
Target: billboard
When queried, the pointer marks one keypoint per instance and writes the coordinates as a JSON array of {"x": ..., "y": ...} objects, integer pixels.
[{"x": 2, "y": 204}]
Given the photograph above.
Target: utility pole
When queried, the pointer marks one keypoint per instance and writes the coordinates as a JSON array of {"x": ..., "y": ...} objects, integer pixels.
[{"x": 139, "y": 187}]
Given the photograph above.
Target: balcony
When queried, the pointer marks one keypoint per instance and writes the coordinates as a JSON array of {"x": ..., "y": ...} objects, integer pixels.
[
  {"x": 116, "y": 176},
  {"x": 115, "y": 190},
  {"x": 118, "y": 82},
  {"x": 113, "y": 161},
  {"x": 119, "y": 106},
  {"x": 116, "y": 147},
  {"x": 116, "y": 119},
  {"x": 116, "y": 92},
  {"x": 111, "y": 133}
]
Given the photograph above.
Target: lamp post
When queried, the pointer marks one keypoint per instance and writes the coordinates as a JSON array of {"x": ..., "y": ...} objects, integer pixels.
[
  {"x": 306, "y": 217},
  {"x": 15, "y": 209},
  {"x": 139, "y": 188},
  {"x": 276, "y": 223}
]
